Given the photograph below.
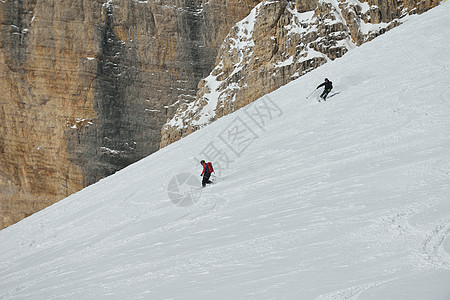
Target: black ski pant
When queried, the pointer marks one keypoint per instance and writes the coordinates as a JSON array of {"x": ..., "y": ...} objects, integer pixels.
[
  {"x": 325, "y": 94},
  {"x": 206, "y": 179}
]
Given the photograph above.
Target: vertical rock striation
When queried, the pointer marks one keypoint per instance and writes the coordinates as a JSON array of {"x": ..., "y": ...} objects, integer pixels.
[{"x": 43, "y": 82}]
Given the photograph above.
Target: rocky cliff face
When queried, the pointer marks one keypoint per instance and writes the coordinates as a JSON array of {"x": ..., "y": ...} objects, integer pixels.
[
  {"x": 278, "y": 42},
  {"x": 88, "y": 84}
]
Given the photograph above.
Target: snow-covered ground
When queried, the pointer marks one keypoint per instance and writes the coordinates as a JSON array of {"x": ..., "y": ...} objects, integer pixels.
[{"x": 344, "y": 199}]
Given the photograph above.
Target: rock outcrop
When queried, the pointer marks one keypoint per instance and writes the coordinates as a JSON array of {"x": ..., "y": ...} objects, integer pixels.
[
  {"x": 278, "y": 42},
  {"x": 87, "y": 85}
]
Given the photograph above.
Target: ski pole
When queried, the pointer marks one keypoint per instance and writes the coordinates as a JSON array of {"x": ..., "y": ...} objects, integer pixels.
[{"x": 311, "y": 94}]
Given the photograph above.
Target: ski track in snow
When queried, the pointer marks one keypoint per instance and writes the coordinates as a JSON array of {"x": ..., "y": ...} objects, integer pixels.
[{"x": 346, "y": 199}]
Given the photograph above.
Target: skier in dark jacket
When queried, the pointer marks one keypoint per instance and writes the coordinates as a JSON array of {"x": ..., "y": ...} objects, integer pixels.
[
  {"x": 328, "y": 86},
  {"x": 206, "y": 173}
]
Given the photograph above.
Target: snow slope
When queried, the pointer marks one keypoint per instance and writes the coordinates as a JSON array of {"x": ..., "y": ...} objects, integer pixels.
[{"x": 347, "y": 199}]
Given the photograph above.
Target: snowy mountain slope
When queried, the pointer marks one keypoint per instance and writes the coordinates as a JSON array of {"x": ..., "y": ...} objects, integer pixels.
[{"x": 347, "y": 199}]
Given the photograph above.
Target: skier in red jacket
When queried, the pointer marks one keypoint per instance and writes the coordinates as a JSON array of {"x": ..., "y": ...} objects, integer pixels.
[{"x": 207, "y": 170}]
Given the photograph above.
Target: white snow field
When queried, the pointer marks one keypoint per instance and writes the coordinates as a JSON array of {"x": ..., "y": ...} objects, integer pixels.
[{"x": 344, "y": 199}]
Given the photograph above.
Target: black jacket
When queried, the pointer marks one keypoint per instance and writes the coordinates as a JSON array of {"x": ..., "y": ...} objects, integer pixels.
[{"x": 328, "y": 85}]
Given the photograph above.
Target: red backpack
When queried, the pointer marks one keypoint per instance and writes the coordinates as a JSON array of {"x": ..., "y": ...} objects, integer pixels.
[{"x": 210, "y": 167}]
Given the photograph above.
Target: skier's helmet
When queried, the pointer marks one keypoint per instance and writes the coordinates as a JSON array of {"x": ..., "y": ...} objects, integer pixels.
[
  {"x": 202, "y": 162},
  {"x": 326, "y": 79}
]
